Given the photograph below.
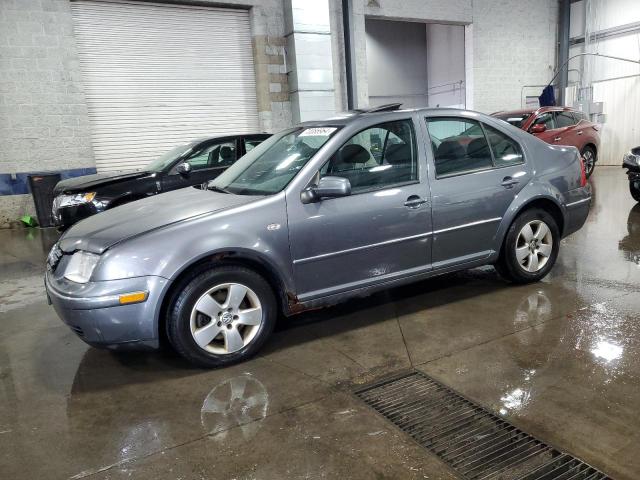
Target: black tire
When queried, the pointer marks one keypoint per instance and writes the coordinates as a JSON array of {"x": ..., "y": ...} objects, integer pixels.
[
  {"x": 508, "y": 266},
  {"x": 634, "y": 188},
  {"x": 589, "y": 165},
  {"x": 192, "y": 288}
]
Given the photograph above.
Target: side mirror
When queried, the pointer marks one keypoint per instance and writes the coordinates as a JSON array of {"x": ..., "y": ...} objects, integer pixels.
[
  {"x": 327, "y": 187},
  {"x": 184, "y": 168},
  {"x": 538, "y": 128}
]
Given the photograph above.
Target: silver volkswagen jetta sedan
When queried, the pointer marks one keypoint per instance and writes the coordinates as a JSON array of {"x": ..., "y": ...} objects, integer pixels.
[{"x": 318, "y": 213}]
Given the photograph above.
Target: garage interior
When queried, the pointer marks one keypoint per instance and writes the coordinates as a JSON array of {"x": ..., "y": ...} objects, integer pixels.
[
  {"x": 102, "y": 86},
  {"x": 416, "y": 64}
]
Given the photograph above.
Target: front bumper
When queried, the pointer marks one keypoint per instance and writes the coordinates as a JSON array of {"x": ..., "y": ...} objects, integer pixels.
[{"x": 94, "y": 313}]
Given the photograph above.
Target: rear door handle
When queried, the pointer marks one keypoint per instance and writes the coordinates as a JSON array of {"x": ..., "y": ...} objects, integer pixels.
[
  {"x": 414, "y": 201},
  {"x": 509, "y": 182},
  {"x": 557, "y": 139},
  {"x": 580, "y": 132}
]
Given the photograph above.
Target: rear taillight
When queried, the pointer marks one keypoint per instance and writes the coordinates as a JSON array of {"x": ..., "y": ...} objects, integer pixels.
[{"x": 583, "y": 173}]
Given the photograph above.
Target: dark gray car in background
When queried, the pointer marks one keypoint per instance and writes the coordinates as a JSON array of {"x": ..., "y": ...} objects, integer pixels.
[{"x": 318, "y": 213}]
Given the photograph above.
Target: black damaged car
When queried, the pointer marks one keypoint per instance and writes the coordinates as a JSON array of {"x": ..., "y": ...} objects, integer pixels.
[
  {"x": 186, "y": 165},
  {"x": 631, "y": 162}
]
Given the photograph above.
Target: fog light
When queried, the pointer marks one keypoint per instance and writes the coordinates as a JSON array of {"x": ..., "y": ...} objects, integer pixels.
[{"x": 134, "y": 297}]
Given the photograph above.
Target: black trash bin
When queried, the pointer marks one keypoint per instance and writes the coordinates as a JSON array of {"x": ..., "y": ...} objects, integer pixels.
[{"x": 41, "y": 186}]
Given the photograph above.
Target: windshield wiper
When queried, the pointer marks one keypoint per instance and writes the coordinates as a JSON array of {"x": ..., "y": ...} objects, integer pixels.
[{"x": 213, "y": 188}]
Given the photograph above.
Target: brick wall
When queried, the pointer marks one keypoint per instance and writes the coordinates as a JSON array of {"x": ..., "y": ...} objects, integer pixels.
[
  {"x": 44, "y": 123},
  {"x": 274, "y": 106},
  {"x": 514, "y": 44}
]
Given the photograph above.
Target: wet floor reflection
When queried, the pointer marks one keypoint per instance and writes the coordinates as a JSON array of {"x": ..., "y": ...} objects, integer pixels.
[
  {"x": 630, "y": 243},
  {"x": 237, "y": 401}
]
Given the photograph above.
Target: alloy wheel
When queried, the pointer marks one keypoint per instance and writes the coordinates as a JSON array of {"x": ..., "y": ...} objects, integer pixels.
[
  {"x": 226, "y": 318},
  {"x": 589, "y": 162},
  {"x": 534, "y": 246}
]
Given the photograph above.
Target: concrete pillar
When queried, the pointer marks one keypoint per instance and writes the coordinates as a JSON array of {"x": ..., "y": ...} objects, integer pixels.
[{"x": 309, "y": 59}]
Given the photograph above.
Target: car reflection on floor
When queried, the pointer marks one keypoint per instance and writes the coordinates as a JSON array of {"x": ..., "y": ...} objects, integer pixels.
[{"x": 630, "y": 244}]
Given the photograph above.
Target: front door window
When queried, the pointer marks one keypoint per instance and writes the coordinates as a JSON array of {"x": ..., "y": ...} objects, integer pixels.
[
  {"x": 376, "y": 158},
  {"x": 221, "y": 154}
]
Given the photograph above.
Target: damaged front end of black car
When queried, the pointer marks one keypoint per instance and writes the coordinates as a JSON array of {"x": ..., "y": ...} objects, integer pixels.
[{"x": 631, "y": 162}]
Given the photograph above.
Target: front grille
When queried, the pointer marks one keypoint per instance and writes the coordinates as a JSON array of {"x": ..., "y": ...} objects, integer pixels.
[
  {"x": 473, "y": 441},
  {"x": 77, "y": 330}
]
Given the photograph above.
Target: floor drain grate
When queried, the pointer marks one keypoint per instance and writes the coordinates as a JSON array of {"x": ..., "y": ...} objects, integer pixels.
[{"x": 473, "y": 441}]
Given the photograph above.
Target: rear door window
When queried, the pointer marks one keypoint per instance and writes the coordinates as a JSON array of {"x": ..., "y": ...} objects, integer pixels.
[
  {"x": 459, "y": 146},
  {"x": 463, "y": 146},
  {"x": 580, "y": 116},
  {"x": 564, "y": 119},
  {"x": 506, "y": 151}
]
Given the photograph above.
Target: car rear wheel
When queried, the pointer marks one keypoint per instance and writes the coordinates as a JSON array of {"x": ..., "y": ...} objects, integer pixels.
[
  {"x": 634, "y": 188},
  {"x": 530, "y": 247},
  {"x": 589, "y": 158},
  {"x": 221, "y": 316}
]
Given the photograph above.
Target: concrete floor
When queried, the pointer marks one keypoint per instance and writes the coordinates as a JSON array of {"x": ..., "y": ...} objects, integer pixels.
[{"x": 560, "y": 359}]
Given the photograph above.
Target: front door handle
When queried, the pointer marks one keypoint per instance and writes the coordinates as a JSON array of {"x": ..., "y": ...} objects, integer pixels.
[
  {"x": 414, "y": 201},
  {"x": 557, "y": 139},
  {"x": 580, "y": 132},
  {"x": 509, "y": 182}
]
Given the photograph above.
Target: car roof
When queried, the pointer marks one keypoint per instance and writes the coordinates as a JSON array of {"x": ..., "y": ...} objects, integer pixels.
[
  {"x": 199, "y": 140},
  {"x": 349, "y": 117},
  {"x": 524, "y": 111}
]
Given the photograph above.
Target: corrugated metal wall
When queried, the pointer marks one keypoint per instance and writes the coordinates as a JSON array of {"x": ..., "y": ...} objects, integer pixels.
[
  {"x": 157, "y": 75},
  {"x": 621, "y": 106}
]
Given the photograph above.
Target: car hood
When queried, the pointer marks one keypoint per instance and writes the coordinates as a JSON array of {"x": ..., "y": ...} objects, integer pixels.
[
  {"x": 99, "y": 232},
  {"x": 87, "y": 182}
]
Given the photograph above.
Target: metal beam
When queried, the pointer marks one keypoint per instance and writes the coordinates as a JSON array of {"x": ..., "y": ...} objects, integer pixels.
[
  {"x": 349, "y": 53},
  {"x": 563, "y": 50},
  {"x": 626, "y": 29}
]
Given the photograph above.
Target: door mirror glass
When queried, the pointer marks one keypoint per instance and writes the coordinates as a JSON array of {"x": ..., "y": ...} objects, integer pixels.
[
  {"x": 538, "y": 128},
  {"x": 184, "y": 168},
  {"x": 327, "y": 187}
]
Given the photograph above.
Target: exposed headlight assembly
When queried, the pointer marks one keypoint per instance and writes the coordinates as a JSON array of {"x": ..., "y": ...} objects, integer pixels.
[
  {"x": 631, "y": 159},
  {"x": 75, "y": 199},
  {"x": 81, "y": 266}
]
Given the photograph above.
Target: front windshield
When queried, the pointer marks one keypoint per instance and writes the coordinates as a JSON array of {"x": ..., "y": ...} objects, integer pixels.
[
  {"x": 163, "y": 161},
  {"x": 515, "y": 120},
  {"x": 269, "y": 167}
]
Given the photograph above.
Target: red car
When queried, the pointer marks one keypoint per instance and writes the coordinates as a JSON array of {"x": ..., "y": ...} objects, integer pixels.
[{"x": 559, "y": 126}]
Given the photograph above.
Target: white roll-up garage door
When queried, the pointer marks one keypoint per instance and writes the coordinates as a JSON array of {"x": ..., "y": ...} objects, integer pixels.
[{"x": 158, "y": 75}]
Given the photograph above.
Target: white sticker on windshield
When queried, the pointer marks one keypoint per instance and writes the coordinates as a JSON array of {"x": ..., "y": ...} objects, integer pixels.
[{"x": 318, "y": 132}]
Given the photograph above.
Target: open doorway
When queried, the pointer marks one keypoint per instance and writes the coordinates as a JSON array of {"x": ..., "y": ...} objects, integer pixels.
[{"x": 415, "y": 64}]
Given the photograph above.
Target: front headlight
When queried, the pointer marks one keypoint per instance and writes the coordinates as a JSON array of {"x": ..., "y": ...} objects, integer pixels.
[
  {"x": 75, "y": 199},
  {"x": 81, "y": 266}
]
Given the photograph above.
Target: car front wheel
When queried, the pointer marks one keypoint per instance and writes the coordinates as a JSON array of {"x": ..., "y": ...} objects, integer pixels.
[
  {"x": 634, "y": 188},
  {"x": 221, "y": 316},
  {"x": 530, "y": 247}
]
